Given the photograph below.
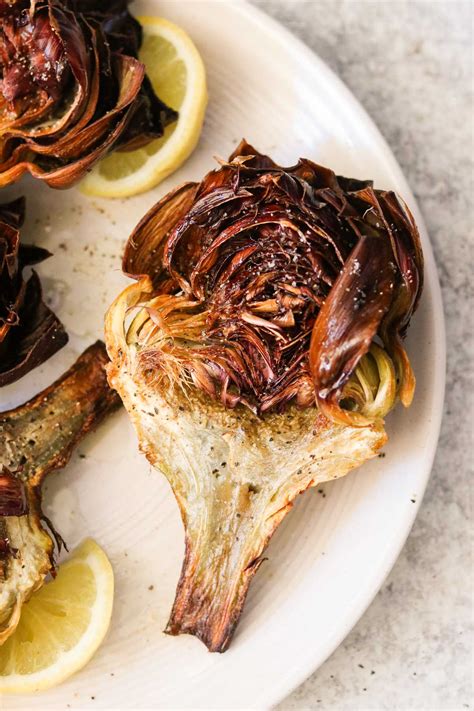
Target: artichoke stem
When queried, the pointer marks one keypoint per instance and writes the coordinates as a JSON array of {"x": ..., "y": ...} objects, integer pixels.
[{"x": 223, "y": 552}]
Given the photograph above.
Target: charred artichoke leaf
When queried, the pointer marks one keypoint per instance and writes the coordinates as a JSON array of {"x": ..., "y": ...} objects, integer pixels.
[
  {"x": 30, "y": 333},
  {"x": 145, "y": 256},
  {"x": 234, "y": 475},
  {"x": 35, "y": 439},
  {"x": 339, "y": 339}
]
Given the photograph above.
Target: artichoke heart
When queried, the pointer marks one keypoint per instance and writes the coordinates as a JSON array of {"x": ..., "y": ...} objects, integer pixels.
[
  {"x": 35, "y": 439},
  {"x": 257, "y": 354}
]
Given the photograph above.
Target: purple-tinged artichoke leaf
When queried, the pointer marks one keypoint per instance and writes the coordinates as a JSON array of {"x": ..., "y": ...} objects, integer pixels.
[{"x": 30, "y": 333}]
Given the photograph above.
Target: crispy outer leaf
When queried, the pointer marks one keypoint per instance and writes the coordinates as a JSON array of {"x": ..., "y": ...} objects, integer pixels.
[
  {"x": 350, "y": 318},
  {"x": 30, "y": 333},
  {"x": 35, "y": 439},
  {"x": 144, "y": 255}
]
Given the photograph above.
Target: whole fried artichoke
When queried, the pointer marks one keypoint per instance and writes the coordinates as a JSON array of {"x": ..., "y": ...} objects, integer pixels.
[
  {"x": 71, "y": 88},
  {"x": 30, "y": 333},
  {"x": 258, "y": 354}
]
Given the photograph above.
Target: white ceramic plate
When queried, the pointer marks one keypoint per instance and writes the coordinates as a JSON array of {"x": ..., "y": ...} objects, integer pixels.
[{"x": 331, "y": 555}]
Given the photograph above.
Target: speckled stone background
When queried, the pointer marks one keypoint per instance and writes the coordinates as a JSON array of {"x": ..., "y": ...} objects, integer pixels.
[{"x": 410, "y": 65}]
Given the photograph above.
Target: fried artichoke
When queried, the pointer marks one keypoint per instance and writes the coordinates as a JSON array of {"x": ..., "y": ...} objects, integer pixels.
[
  {"x": 257, "y": 354},
  {"x": 71, "y": 88},
  {"x": 29, "y": 331},
  {"x": 35, "y": 439}
]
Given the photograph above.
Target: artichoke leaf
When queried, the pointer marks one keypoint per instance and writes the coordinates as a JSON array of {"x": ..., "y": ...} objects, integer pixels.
[
  {"x": 35, "y": 439},
  {"x": 30, "y": 332}
]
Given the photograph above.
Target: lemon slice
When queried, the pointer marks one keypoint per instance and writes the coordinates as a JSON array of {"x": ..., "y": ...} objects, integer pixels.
[
  {"x": 61, "y": 626},
  {"x": 177, "y": 73}
]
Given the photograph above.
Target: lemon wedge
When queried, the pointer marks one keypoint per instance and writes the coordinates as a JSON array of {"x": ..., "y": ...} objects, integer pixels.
[
  {"x": 62, "y": 624},
  {"x": 177, "y": 73}
]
